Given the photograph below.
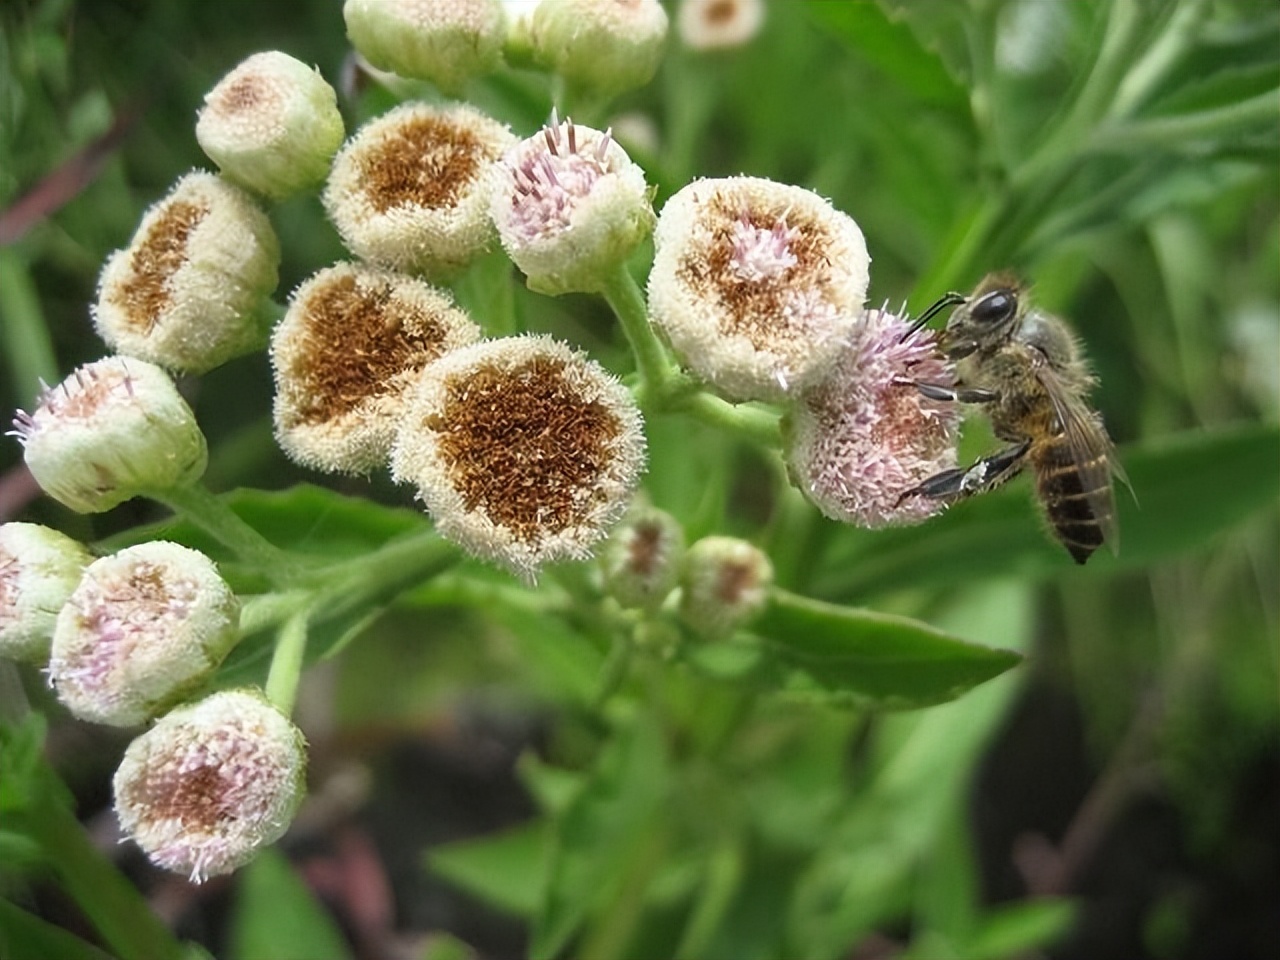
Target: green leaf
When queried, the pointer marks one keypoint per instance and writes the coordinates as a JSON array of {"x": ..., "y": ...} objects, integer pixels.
[
  {"x": 21, "y": 759},
  {"x": 1021, "y": 927},
  {"x": 277, "y": 918},
  {"x": 609, "y": 834},
  {"x": 506, "y": 869},
  {"x": 303, "y": 518},
  {"x": 893, "y": 49},
  {"x": 839, "y": 654},
  {"x": 1190, "y": 488},
  {"x": 24, "y": 936}
]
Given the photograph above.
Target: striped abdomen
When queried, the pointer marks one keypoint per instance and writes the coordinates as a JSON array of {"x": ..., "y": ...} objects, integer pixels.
[{"x": 1070, "y": 505}]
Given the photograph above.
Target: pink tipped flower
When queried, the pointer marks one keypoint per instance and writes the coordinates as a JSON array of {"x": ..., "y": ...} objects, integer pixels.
[
  {"x": 39, "y": 568},
  {"x": 211, "y": 783},
  {"x": 143, "y": 628},
  {"x": 569, "y": 207},
  {"x": 756, "y": 284},
  {"x": 865, "y": 436},
  {"x": 113, "y": 430}
]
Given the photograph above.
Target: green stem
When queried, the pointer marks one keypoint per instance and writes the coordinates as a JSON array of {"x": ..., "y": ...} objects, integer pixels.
[
  {"x": 213, "y": 516},
  {"x": 1217, "y": 123},
  {"x": 114, "y": 906},
  {"x": 1161, "y": 57},
  {"x": 265, "y": 610},
  {"x": 757, "y": 424},
  {"x": 627, "y": 302},
  {"x": 286, "y": 663},
  {"x": 385, "y": 573}
]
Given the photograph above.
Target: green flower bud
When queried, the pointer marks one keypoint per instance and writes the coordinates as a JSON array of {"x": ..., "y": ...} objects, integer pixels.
[
  {"x": 570, "y": 206},
  {"x": 726, "y": 585},
  {"x": 345, "y": 356},
  {"x": 143, "y": 628},
  {"x": 272, "y": 125},
  {"x": 39, "y": 568},
  {"x": 604, "y": 46},
  {"x": 523, "y": 450},
  {"x": 756, "y": 284},
  {"x": 191, "y": 290},
  {"x": 411, "y": 189},
  {"x": 114, "y": 429},
  {"x": 444, "y": 42},
  {"x": 212, "y": 783},
  {"x": 642, "y": 557}
]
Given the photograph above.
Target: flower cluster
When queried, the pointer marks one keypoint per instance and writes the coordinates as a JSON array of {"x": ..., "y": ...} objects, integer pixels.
[{"x": 523, "y": 450}]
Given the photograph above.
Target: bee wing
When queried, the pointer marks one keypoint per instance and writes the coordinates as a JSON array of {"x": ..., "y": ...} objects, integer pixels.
[{"x": 1092, "y": 451}]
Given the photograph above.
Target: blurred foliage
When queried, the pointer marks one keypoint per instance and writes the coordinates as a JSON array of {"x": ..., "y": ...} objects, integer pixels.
[{"x": 1123, "y": 155}]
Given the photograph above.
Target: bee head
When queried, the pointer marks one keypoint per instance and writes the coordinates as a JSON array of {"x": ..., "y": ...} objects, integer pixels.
[{"x": 986, "y": 318}]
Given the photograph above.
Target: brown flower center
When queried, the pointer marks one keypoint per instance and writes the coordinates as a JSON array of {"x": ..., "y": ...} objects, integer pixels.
[
  {"x": 523, "y": 446},
  {"x": 155, "y": 259},
  {"x": 424, "y": 162},
  {"x": 361, "y": 343}
]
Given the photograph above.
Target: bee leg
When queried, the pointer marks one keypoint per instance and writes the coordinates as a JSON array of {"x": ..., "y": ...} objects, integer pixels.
[
  {"x": 936, "y": 391},
  {"x": 952, "y": 485}
]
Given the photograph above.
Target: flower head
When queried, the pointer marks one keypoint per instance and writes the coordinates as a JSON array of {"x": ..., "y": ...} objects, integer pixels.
[
  {"x": 756, "y": 284},
  {"x": 114, "y": 429},
  {"x": 345, "y": 356},
  {"x": 411, "y": 189},
  {"x": 523, "y": 451},
  {"x": 444, "y": 41},
  {"x": 725, "y": 584},
  {"x": 864, "y": 436},
  {"x": 642, "y": 557},
  {"x": 718, "y": 24},
  {"x": 272, "y": 125},
  {"x": 39, "y": 568},
  {"x": 569, "y": 206},
  {"x": 191, "y": 290},
  {"x": 143, "y": 628},
  {"x": 605, "y": 46},
  {"x": 211, "y": 783}
]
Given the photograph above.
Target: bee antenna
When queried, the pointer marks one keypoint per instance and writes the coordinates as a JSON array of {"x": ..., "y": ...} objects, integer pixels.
[{"x": 952, "y": 299}]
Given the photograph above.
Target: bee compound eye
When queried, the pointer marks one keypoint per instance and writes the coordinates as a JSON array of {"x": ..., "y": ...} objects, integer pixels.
[{"x": 995, "y": 307}]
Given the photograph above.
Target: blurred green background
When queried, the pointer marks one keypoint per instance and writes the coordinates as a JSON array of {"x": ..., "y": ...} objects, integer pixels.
[{"x": 1125, "y": 158}]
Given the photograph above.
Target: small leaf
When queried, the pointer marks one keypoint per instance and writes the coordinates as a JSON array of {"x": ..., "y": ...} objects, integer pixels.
[
  {"x": 303, "y": 518},
  {"x": 24, "y": 936},
  {"x": 277, "y": 918},
  {"x": 615, "y": 820},
  {"x": 1019, "y": 928},
  {"x": 840, "y": 654},
  {"x": 506, "y": 869}
]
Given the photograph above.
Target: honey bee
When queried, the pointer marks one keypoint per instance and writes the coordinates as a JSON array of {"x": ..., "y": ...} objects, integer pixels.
[{"x": 1026, "y": 370}]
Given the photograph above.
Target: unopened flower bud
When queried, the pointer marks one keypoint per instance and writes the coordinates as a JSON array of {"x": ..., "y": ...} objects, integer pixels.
[
  {"x": 272, "y": 125},
  {"x": 719, "y": 24},
  {"x": 756, "y": 284},
  {"x": 866, "y": 435},
  {"x": 642, "y": 557},
  {"x": 346, "y": 355},
  {"x": 114, "y": 429},
  {"x": 39, "y": 568},
  {"x": 523, "y": 451},
  {"x": 191, "y": 290},
  {"x": 570, "y": 206},
  {"x": 726, "y": 585},
  {"x": 212, "y": 783},
  {"x": 444, "y": 42},
  {"x": 603, "y": 46},
  {"x": 411, "y": 189},
  {"x": 143, "y": 628}
]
